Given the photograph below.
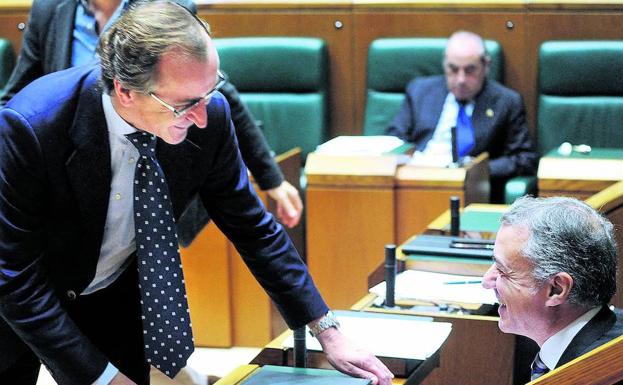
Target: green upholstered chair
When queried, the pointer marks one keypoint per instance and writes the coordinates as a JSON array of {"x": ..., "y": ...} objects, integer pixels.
[
  {"x": 283, "y": 81},
  {"x": 7, "y": 61},
  {"x": 393, "y": 62},
  {"x": 580, "y": 94}
]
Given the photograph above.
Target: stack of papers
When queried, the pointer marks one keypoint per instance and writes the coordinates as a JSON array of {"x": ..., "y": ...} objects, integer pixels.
[
  {"x": 438, "y": 288},
  {"x": 360, "y": 145},
  {"x": 388, "y": 335}
]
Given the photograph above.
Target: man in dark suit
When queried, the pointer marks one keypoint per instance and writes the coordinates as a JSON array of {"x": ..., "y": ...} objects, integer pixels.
[
  {"x": 73, "y": 240},
  {"x": 497, "y": 115},
  {"x": 63, "y": 33},
  {"x": 554, "y": 274}
]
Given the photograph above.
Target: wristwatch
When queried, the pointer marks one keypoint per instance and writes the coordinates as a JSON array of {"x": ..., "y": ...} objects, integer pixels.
[{"x": 327, "y": 321}]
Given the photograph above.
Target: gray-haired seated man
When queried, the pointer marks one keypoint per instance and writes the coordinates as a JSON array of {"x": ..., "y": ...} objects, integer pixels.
[{"x": 554, "y": 274}]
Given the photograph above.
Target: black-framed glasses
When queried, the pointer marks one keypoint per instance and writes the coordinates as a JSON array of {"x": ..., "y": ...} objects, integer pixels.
[{"x": 180, "y": 112}]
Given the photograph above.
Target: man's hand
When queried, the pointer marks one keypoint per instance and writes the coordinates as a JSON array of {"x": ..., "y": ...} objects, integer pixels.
[
  {"x": 121, "y": 379},
  {"x": 289, "y": 204},
  {"x": 352, "y": 360}
]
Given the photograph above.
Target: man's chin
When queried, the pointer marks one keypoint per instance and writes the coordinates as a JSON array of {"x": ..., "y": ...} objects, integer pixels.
[{"x": 176, "y": 135}]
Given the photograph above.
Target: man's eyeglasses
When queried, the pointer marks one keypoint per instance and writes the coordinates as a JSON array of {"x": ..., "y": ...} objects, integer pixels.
[{"x": 179, "y": 112}]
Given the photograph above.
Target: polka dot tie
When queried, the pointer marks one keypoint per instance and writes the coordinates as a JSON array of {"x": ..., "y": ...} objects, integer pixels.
[{"x": 167, "y": 330}]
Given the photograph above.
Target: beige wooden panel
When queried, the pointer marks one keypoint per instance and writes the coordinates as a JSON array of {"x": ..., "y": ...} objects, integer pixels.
[
  {"x": 206, "y": 271},
  {"x": 346, "y": 232},
  {"x": 417, "y": 207}
]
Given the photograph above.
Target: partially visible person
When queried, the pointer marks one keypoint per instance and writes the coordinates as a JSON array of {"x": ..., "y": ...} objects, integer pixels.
[
  {"x": 488, "y": 116},
  {"x": 64, "y": 33},
  {"x": 554, "y": 274},
  {"x": 95, "y": 173}
]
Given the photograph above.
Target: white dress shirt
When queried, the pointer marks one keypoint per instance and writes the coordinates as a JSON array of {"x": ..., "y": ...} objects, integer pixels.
[
  {"x": 555, "y": 346},
  {"x": 438, "y": 150}
]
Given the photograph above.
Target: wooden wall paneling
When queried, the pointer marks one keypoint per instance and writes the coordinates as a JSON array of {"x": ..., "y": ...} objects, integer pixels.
[
  {"x": 414, "y": 22},
  {"x": 12, "y": 24},
  {"x": 206, "y": 264},
  {"x": 347, "y": 229},
  {"x": 301, "y": 22}
]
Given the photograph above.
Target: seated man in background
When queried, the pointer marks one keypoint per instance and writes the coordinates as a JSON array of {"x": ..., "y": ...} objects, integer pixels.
[
  {"x": 554, "y": 273},
  {"x": 487, "y": 116},
  {"x": 63, "y": 34}
]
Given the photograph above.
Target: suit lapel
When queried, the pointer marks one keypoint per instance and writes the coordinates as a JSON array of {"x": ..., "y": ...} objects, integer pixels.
[
  {"x": 88, "y": 166},
  {"x": 61, "y": 35},
  {"x": 591, "y": 332},
  {"x": 483, "y": 117}
]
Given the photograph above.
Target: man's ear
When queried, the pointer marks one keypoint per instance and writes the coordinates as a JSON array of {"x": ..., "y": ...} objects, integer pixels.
[
  {"x": 124, "y": 95},
  {"x": 559, "y": 286}
]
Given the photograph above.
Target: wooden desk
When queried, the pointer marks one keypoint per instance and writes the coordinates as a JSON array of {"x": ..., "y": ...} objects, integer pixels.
[
  {"x": 476, "y": 352},
  {"x": 356, "y": 205},
  {"x": 578, "y": 175},
  {"x": 227, "y": 305}
]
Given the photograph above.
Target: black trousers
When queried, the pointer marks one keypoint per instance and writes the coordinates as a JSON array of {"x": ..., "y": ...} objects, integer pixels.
[{"x": 111, "y": 319}]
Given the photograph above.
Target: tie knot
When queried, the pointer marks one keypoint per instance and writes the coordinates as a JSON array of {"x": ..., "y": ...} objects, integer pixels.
[{"x": 144, "y": 142}]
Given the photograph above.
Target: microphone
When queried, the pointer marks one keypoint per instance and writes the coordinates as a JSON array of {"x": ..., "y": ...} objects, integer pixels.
[
  {"x": 390, "y": 274},
  {"x": 455, "y": 149},
  {"x": 455, "y": 216},
  {"x": 300, "y": 348}
]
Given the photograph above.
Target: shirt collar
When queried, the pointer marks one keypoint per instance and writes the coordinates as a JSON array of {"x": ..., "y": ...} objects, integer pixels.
[
  {"x": 116, "y": 125},
  {"x": 555, "y": 346}
]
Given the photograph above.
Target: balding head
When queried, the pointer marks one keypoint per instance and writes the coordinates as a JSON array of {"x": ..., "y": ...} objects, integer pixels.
[{"x": 466, "y": 64}]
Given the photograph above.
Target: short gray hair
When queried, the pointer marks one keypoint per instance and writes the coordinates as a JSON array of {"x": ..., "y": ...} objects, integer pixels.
[
  {"x": 567, "y": 235},
  {"x": 131, "y": 48}
]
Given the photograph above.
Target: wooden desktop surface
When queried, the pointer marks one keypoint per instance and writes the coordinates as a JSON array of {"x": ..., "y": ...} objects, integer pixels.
[{"x": 357, "y": 205}]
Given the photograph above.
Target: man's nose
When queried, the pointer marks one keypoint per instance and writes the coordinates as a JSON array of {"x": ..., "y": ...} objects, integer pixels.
[
  {"x": 199, "y": 115},
  {"x": 488, "y": 280}
]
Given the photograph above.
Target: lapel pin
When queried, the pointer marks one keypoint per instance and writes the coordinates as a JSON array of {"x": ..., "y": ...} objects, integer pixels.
[{"x": 489, "y": 113}]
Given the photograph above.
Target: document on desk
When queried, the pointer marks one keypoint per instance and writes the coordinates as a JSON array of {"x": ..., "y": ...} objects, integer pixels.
[
  {"x": 282, "y": 375},
  {"x": 360, "y": 145},
  {"x": 438, "y": 288},
  {"x": 389, "y": 335}
]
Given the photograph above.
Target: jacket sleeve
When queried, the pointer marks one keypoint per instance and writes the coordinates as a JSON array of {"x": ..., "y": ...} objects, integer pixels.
[
  {"x": 28, "y": 302},
  {"x": 29, "y": 62},
  {"x": 260, "y": 240},
  {"x": 402, "y": 124},
  {"x": 520, "y": 156},
  {"x": 253, "y": 146}
]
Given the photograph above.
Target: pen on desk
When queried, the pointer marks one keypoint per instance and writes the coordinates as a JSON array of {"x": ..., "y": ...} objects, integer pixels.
[{"x": 462, "y": 282}]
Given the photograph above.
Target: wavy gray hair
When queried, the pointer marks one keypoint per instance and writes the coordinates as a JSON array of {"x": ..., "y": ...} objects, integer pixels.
[
  {"x": 567, "y": 235},
  {"x": 131, "y": 48}
]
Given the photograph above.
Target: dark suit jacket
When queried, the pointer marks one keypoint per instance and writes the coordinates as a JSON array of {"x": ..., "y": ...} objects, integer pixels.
[
  {"x": 55, "y": 171},
  {"x": 498, "y": 119},
  {"x": 604, "y": 327},
  {"x": 47, "y": 48}
]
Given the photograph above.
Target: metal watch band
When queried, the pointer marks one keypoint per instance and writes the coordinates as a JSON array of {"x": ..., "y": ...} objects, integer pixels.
[{"x": 327, "y": 321}]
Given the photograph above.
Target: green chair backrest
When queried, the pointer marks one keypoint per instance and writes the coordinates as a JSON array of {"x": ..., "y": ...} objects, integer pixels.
[
  {"x": 393, "y": 62},
  {"x": 284, "y": 82},
  {"x": 580, "y": 94},
  {"x": 7, "y": 61}
]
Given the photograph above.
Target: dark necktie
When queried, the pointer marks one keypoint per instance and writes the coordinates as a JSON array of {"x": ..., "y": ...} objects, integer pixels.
[
  {"x": 464, "y": 132},
  {"x": 538, "y": 368},
  {"x": 167, "y": 333}
]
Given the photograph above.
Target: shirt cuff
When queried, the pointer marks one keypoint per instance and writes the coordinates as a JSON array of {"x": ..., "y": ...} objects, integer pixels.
[{"x": 105, "y": 378}]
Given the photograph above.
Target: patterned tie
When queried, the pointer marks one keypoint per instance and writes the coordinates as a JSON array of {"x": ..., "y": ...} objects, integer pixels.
[
  {"x": 167, "y": 330},
  {"x": 464, "y": 132},
  {"x": 538, "y": 368}
]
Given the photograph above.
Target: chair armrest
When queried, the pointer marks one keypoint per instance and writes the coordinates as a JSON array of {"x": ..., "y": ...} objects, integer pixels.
[{"x": 519, "y": 186}]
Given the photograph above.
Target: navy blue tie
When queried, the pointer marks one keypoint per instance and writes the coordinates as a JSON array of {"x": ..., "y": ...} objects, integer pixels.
[
  {"x": 167, "y": 333},
  {"x": 538, "y": 368},
  {"x": 464, "y": 132}
]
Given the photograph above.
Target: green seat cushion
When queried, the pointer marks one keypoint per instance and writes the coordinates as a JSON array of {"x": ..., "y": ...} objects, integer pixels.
[
  {"x": 289, "y": 120},
  {"x": 274, "y": 64},
  {"x": 7, "y": 61},
  {"x": 590, "y": 67},
  {"x": 592, "y": 120}
]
